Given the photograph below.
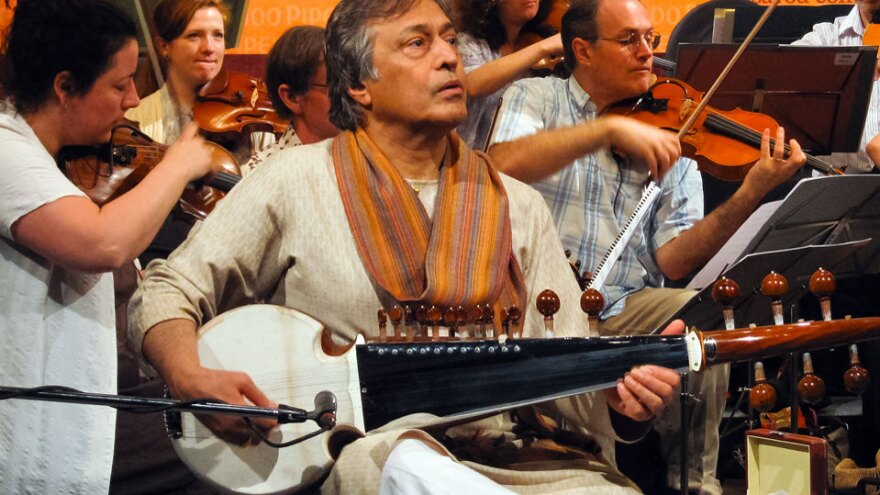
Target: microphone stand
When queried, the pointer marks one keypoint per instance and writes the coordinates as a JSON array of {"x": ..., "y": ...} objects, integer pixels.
[{"x": 324, "y": 413}]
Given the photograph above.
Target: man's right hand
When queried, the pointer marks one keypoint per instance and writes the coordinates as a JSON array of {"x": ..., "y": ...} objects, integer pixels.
[
  {"x": 657, "y": 147},
  {"x": 232, "y": 387}
]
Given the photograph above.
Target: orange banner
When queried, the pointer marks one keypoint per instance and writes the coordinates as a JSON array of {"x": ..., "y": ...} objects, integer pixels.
[{"x": 266, "y": 20}]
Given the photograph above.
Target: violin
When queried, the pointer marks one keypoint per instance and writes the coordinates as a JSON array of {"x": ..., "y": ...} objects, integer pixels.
[
  {"x": 105, "y": 172},
  {"x": 724, "y": 143},
  {"x": 234, "y": 102}
]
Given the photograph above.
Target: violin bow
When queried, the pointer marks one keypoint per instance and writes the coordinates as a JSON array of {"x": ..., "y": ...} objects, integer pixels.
[{"x": 705, "y": 101}]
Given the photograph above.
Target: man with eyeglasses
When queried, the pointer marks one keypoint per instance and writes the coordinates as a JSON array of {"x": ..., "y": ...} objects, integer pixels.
[
  {"x": 591, "y": 169},
  {"x": 296, "y": 79}
]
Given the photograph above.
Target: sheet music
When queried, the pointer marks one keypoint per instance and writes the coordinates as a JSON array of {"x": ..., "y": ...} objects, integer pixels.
[
  {"x": 734, "y": 248},
  {"x": 650, "y": 193}
]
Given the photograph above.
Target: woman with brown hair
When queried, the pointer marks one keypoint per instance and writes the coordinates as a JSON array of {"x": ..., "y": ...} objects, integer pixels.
[
  {"x": 488, "y": 42},
  {"x": 68, "y": 67}
]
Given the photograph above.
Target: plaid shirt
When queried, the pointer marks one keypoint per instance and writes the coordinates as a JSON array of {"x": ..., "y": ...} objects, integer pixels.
[
  {"x": 848, "y": 31},
  {"x": 592, "y": 198}
]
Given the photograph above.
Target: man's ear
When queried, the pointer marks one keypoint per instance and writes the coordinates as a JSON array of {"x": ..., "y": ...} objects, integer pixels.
[
  {"x": 292, "y": 102},
  {"x": 361, "y": 94},
  {"x": 583, "y": 51},
  {"x": 63, "y": 86}
]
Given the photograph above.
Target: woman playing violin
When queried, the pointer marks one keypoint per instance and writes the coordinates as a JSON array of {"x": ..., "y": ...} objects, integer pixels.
[
  {"x": 68, "y": 71},
  {"x": 487, "y": 44},
  {"x": 190, "y": 42}
]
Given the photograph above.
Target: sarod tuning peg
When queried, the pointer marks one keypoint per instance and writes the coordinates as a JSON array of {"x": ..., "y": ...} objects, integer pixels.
[
  {"x": 725, "y": 291},
  {"x": 822, "y": 284},
  {"x": 775, "y": 286},
  {"x": 762, "y": 396},
  {"x": 592, "y": 303},
  {"x": 548, "y": 305},
  {"x": 856, "y": 379},
  {"x": 810, "y": 388}
]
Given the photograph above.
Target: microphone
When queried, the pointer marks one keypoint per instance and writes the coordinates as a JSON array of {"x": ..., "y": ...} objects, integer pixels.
[{"x": 325, "y": 410}]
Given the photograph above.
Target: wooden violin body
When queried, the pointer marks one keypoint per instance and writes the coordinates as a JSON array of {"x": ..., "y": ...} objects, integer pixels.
[
  {"x": 233, "y": 102},
  {"x": 107, "y": 171},
  {"x": 724, "y": 143}
]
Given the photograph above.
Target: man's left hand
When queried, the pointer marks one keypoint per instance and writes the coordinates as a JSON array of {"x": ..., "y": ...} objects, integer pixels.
[
  {"x": 773, "y": 168},
  {"x": 645, "y": 391}
]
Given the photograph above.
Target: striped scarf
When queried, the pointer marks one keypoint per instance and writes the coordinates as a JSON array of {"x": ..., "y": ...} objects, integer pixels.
[{"x": 464, "y": 256}]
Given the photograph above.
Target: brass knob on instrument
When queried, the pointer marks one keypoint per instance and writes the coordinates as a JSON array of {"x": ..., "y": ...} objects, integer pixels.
[
  {"x": 409, "y": 323},
  {"x": 725, "y": 291},
  {"x": 422, "y": 319},
  {"x": 477, "y": 318},
  {"x": 450, "y": 318},
  {"x": 513, "y": 316},
  {"x": 488, "y": 323},
  {"x": 762, "y": 396},
  {"x": 396, "y": 316},
  {"x": 775, "y": 286},
  {"x": 548, "y": 305},
  {"x": 856, "y": 379},
  {"x": 810, "y": 388},
  {"x": 592, "y": 303},
  {"x": 434, "y": 316},
  {"x": 822, "y": 284},
  {"x": 461, "y": 318},
  {"x": 383, "y": 319}
]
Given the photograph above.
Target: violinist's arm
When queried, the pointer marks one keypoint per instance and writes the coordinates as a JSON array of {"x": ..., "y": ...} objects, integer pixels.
[
  {"x": 74, "y": 232},
  {"x": 534, "y": 157},
  {"x": 691, "y": 249},
  {"x": 492, "y": 76}
]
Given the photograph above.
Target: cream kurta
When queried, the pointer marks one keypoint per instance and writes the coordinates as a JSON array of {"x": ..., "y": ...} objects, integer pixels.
[{"x": 282, "y": 237}]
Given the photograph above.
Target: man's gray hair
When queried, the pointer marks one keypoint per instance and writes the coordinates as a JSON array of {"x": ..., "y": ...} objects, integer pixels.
[{"x": 348, "y": 51}]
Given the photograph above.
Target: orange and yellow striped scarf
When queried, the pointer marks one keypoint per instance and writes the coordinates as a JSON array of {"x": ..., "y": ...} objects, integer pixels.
[{"x": 464, "y": 256}]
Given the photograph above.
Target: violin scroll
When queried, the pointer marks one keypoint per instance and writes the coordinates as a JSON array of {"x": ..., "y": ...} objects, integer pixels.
[{"x": 234, "y": 101}]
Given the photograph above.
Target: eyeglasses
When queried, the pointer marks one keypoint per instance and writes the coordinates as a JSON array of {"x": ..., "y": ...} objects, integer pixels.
[
  {"x": 318, "y": 85},
  {"x": 634, "y": 40}
]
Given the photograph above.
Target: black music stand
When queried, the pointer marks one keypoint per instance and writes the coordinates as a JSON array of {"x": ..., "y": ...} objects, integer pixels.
[
  {"x": 819, "y": 94},
  {"x": 832, "y": 222}
]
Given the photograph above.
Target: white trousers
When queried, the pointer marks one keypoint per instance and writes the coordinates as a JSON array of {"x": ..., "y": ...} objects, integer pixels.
[{"x": 414, "y": 468}]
